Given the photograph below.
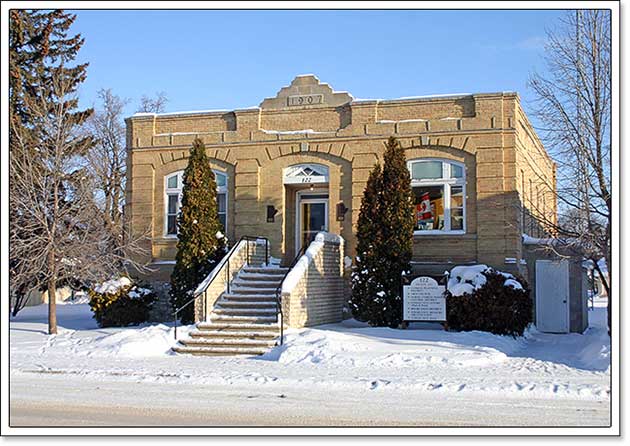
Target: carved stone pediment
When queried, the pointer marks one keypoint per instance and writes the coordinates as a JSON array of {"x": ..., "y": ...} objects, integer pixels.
[{"x": 306, "y": 91}]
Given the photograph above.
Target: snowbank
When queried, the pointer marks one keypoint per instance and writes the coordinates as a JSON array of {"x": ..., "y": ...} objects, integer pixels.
[
  {"x": 352, "y": 344},
  {"x": 349, "y": 357},
  {"x": 155, "y": 340}
]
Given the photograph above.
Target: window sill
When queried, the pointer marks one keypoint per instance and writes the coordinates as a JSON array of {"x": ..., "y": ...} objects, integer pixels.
[
  {"x": 165, "y": 239},
  {"x": 438, "y": 232}
]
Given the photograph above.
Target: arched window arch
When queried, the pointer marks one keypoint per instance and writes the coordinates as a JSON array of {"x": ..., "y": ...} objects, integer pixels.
[
  {"x": 173, "y": 184},
  {"x": 439, "y": 189}
]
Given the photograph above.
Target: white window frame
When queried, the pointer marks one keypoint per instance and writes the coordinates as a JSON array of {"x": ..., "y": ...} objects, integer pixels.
[
  {"x": 446, "y": 182},
  {"x": 178, "y": 190}
]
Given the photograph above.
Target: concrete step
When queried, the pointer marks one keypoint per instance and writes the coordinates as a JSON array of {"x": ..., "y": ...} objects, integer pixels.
[
  {"x": 242, "y": 334},
  {"x": 262, "y": 277},
  {"x": 264, "y": 270},
  {"x": 238, "y": 326},
  {"x": 268, "y": 311},
  {"x": 247, "y": 304},
  {"x": 250, "y": 297},
  {"x": 240, "y": 283},
  {"x": 247, "y": 290},
  {"x": 220, "y": 351},
  {"x": 229, "y": 342},
  {"x": 254, "y": 319}
]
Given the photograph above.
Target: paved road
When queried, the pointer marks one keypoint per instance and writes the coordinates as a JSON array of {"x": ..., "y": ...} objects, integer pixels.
[{"x": 42, "y": 399}]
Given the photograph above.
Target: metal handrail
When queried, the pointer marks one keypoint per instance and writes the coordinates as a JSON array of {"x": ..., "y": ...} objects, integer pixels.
[
  {"x": 217, "y": 268},
  {"x": 279, "y": 291}
]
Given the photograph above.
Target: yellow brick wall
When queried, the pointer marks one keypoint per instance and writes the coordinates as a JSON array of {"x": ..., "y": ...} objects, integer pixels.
[
  {"x": 489, "y": 134},
  {"x": 535, "y": 179}
]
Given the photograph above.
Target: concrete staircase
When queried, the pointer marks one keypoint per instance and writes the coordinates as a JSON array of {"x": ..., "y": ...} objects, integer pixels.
[{"x": 243, "y": 321}]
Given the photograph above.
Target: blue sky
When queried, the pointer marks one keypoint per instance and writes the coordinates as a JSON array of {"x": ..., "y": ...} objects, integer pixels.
[{"x": 234, "y": 59}]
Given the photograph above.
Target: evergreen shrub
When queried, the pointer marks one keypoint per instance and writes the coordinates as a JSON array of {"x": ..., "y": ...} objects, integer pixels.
[
  {"x": 384, "y": 241},
  {"x": 201, "y": 243},
  {"x": 493, "y": 307},
  {"x": 121, "y": 306}
]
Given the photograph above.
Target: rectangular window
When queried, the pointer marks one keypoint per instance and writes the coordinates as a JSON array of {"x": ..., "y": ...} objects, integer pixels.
[
  {"x": 457, "y": 171},
  {"x": 171, "y": 216},
  {"x": 523, "y": 229},
  {"x": 222, "y": 209},
  {"x": 530, "y": 210},
  {"x": 457, "y": 208},
  {"x": 429, "y": 202},
  {"x": 426, "y": 170}
]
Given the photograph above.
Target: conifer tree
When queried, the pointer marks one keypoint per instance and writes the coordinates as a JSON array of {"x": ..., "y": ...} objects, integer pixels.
[
  {"x": 397, "y": 228},
  {"x": 365, "y": 287},
  {"x": 201, "y": 244},
  {"x": 384, "y": 241},
  {"x": 48, "y": 203}
]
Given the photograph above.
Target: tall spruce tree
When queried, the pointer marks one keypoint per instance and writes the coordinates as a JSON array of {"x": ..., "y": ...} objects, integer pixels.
[
  {"x": 366, "y": 289},
  {"x": 44, "y": 145},
  {"x": 397, "y": 227},
  {"x": 201, "y": 245},
  {"x": 384, "y": 241}
]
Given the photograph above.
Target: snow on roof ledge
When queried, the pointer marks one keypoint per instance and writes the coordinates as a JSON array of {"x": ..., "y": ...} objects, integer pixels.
[
  {"x": 429, "y": 96},
  {"x": 193, "y": 112},
  {"x": 528, "y": 240}
]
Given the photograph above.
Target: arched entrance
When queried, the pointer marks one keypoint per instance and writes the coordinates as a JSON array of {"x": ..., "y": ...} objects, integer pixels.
[{"x": 307, "y": 186}]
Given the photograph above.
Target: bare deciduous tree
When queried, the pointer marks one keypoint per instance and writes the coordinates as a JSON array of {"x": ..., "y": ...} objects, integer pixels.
[
  {"x": 574, "y": 107},
  {"x": 64, "y": 238},
  {"x": 107, "y": 158},
  {"x": 57, "y": 232},
  {"x": 153, "y": 105}
]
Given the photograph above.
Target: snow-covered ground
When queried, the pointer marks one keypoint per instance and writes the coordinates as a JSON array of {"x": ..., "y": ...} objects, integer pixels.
[{"x": 348, "y": 359}]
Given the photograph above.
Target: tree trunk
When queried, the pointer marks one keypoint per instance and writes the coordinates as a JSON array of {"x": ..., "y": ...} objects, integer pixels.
[
  {"x": 52, "y": 294},
  {"x": 608, "y": 285},
  {"x": 52, "y": 307}
]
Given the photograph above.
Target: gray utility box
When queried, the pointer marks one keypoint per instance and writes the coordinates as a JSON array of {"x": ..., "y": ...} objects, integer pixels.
[{"x": 559, "y": 290}]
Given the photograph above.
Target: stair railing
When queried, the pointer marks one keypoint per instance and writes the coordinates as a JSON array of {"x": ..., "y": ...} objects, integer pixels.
[
  {"x": 279, "y": 292},
  {"x": 210, "y": 278}
]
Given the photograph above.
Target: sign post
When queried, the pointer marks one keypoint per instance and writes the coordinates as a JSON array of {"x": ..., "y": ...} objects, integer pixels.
[{"x": 424, "y": 301}]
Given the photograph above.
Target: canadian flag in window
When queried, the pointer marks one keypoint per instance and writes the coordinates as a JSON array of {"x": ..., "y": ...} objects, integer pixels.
[{"x": 424, "y": 215}]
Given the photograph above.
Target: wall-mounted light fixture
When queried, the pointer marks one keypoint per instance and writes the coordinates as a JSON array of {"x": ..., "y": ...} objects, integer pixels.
[
  {"x": 271, "y": 213},
  {"x": 341, "y": 211}
]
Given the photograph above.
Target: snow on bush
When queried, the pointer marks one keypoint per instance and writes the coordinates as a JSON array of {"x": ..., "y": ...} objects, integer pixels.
[
  {"x": 119, "y": 303},
  {"x": 466, "y": 279},
  {"x": 112, "y": 286},
  {"x": 481, "y": 298}
]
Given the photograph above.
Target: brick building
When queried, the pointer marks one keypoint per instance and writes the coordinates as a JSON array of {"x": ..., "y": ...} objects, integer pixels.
[{"x": 304, "y": 155}]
